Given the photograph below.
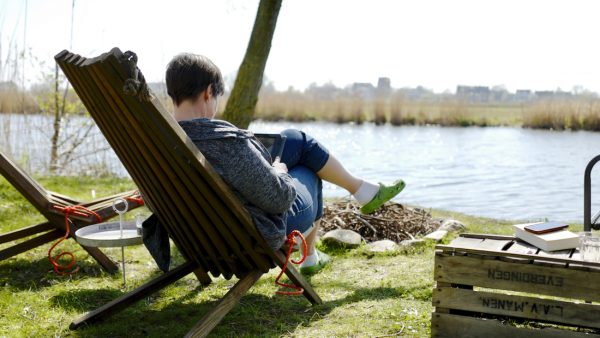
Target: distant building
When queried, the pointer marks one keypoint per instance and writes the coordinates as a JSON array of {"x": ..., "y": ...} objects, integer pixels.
[
  {"x": 367, "y": 91},
  {"x": 473, "y": 93},
  {"x": 328, "y": 91},
  {"x": 544, "y": 94},
  {"x": 417, "y": 93},
  {"x": 384, "y": 86},
  {"x": 499, "y": 94},
  {"x": 363, "y": 89},
  {"x": 522, "y": 95},
  {"x": 562, "y": 94}
]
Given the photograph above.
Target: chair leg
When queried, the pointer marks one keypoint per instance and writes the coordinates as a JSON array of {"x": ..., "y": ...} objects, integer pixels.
[
  {"x": 297, "y": 278},
  {"x": 24, "y": 232},
  {"x": 30, "y": 244},
  {"x": 203, "y": 277},
  {"x": 135, "y": 295},
  {"x": 224, "y": 305}
]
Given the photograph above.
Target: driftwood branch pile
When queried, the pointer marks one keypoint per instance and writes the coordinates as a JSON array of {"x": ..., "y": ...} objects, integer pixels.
[{"x": 393, "y": 221}]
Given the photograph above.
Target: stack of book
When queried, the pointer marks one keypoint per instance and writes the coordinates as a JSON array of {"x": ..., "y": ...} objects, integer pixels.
[{"x": 559, "y": 238}]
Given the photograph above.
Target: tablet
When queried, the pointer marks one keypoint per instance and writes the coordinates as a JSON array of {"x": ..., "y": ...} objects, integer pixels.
[
  {"x": 542, "y": 228},
  {"x": 273, "y": 142}
]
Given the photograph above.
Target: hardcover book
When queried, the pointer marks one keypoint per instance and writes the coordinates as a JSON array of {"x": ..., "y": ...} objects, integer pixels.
[{"x": 552, "y": 241}]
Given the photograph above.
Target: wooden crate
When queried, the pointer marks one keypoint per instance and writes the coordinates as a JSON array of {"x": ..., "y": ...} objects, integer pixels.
[{"x": 496, "y": 286}]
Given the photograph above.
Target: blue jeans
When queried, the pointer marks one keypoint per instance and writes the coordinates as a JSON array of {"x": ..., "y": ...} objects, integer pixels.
[{"x": 304, "y": 157}]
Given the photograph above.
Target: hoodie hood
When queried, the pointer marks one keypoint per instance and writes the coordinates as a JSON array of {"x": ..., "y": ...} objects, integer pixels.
[{"x": 206, "y": 129}]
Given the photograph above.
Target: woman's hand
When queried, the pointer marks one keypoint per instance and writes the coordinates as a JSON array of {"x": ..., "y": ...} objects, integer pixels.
[{"x": 279, "y": 166}]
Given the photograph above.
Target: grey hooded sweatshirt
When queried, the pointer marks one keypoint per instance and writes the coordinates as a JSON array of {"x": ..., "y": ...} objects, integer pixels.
[{"x": 245, "y": 165}]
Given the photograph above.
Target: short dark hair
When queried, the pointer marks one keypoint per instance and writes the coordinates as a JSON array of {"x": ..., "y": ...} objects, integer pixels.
[{"x": 190, "y": 74}]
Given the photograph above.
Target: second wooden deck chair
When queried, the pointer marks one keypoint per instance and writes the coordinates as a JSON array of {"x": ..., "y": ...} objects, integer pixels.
[
  {"x": 46, "y": 202},
  {"x": 205, "y": 220}
]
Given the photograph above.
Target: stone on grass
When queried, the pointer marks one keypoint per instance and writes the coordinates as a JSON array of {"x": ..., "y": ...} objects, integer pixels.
[
  {"x": 382, "y": 246},
  {"x": 452, "y": 225},
  {"x": 437, "y": 235},
  {"x": 349, "y": 238},
  {"x": 412, "y": 242}
]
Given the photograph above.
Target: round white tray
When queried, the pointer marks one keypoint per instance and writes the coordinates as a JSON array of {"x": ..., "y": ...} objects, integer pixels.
[{"x": 108, "y": 235}]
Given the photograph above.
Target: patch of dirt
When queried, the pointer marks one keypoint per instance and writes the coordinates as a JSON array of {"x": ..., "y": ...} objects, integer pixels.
[{"x": 392, "y": 221}]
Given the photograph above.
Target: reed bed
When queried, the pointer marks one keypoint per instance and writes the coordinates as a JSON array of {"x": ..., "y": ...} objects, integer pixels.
[
  {"x": 394, "y": 110},
  {"x": 565, "y": 114},
  {"x": 16, "y": 101},
  {"x": 575, "y": 113},
  {"x": 572, "y": 113}
]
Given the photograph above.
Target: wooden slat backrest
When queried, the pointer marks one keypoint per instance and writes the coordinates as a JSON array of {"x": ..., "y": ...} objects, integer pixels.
[
  {"x": 220, "y": 243},
  {"x": 120, "y": 143},
  {"x": 149, "y": 153},
  {"x": 219, "y": 214},
  {"x": 205, "y": 220}
]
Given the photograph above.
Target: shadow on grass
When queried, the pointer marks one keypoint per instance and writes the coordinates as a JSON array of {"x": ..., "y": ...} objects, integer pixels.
[
  {"x": 255, "y": 315},
  {"x": 27, "y": 273},
  {"x": 84, "y": 300}
]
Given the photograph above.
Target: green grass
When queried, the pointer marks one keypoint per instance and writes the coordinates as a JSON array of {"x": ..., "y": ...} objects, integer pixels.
[{"x": 364, "y": 294}]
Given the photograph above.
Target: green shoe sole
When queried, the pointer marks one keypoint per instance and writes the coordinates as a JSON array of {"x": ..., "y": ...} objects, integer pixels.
[
  {"x": 384, "y": 194},
  {"x": 324, "y": 259}
]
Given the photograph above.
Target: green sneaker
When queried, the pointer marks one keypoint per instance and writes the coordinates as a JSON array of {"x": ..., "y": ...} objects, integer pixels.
[
  {"x": 324, "y": 259},
  {"x": 384, "y": 194}
]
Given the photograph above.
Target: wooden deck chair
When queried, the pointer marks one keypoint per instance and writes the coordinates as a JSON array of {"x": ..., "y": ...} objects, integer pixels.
[
  {"x": 45, "y": 201},
  {"x": 205, "y": 220}
]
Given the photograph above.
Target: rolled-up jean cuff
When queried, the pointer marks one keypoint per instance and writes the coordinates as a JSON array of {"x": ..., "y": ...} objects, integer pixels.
[
  {"x": 317, "y": 155},
  {"x": 308, "y": 205},
  {"x": 321, "y": 162},
  {"x": 302, "y": 149}
]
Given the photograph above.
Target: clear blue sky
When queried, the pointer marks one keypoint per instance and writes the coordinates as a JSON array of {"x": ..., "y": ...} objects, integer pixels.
[{"x": 531, "y": 44}]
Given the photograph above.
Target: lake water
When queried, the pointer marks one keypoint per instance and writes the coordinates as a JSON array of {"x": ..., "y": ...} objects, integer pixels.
[{"x": 507, "y": 173}]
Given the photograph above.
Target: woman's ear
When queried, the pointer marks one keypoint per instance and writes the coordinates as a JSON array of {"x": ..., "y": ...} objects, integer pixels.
[{"x": 208, "y": 92}]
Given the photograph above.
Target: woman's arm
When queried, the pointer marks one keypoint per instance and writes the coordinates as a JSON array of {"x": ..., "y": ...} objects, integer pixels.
[{"x": 242, "y": 166}]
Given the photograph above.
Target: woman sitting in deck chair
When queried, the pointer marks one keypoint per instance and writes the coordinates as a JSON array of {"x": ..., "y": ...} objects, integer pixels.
[{"x": 281, "y": 194}]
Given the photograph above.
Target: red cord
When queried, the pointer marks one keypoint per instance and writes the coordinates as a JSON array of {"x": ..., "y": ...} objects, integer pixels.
[
  {"x": 77, "y": 210},
  {"x": 136, "y": 197},
  {"x": 291, "y": 241}
]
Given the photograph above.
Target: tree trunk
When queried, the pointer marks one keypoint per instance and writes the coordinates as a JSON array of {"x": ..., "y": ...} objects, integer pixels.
[
  {"x": 57, "y": 120},
  {"x": 244, "y": 95}
]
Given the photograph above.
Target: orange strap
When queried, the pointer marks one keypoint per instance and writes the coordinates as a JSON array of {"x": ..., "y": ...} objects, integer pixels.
[
  {"x": 291, "y": 241},
  {"x": 136, "y": 197},
  {"x": 66, "y": 269}
]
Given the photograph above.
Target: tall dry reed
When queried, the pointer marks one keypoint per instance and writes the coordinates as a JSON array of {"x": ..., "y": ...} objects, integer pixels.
[
  {"x": 380, "y": 107},
  {"x": 16, "y": 101},
  {"x": 560, "y": 114},
  {"x": 591, "y": 116},
  {"x": 397, "y": 110},
  {"x": 454, "y": 113}
]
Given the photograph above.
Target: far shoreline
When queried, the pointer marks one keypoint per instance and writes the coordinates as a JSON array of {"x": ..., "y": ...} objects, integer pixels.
[{"x": 546, "y": 122}]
